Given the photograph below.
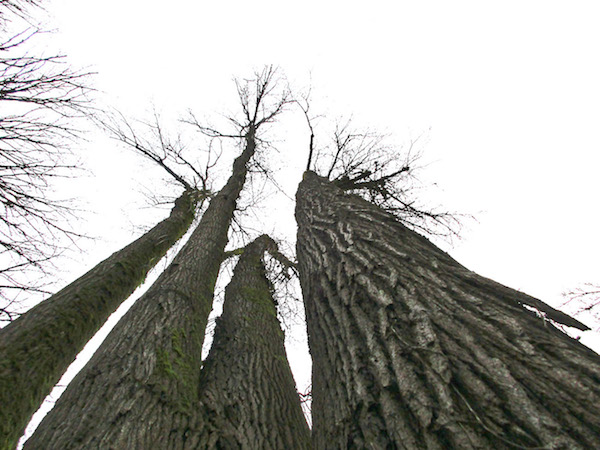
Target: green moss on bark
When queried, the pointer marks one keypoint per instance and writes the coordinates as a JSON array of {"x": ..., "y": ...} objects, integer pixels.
[
  {"x": 177, "y": 377},
  {"x": 247, "y": 391},
  {"x": 37, "y": 348}
]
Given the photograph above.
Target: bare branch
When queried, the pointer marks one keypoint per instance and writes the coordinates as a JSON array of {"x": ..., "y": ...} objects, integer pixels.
[
  {"x": 124, "y": 131},
  {"x": 262, "y": 98},
  {"x": 362, "y": 162},
  {"x": 304, "y": 104},
  {"x": 260, "y": 104},
  {"x": 207, "y": 130},
  {"x": 583, "y": 299},
  {"x": 40, "y": 97},
  {"x": 150, "y": 140},
  {"x": 19, "y": 8}
]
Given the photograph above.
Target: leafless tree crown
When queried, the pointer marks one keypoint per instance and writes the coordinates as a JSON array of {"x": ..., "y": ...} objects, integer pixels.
[
  {"x": 40, "y": 97},
  {"x": 365, "y": 163}
]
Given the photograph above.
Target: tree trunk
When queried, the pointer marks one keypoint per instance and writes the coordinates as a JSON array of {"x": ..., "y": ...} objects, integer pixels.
[
  {"x": 247, "y": 391},
  {"x": 140, "y": 388},
  {"x": 37, "y": 348},
  {"x": 412, "y": 350}
]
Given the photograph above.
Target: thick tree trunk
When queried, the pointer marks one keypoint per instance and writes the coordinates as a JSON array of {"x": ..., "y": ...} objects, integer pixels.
[
  {"x": 37, "y": 348},
  {"x": 140, "y": 389},
  {"x": 247, "y": 391},
  {"x": 412, "y": 350}
]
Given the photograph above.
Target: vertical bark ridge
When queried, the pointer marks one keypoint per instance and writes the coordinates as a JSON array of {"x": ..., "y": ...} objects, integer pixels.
[
  {"x": 37, "y": 348},
  {"x": 412, "y": 350},
  {"x": 140, "y": 389},
  {"x": 247, "y": 391}
]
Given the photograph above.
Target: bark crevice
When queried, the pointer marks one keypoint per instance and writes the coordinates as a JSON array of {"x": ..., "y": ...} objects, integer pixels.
[
  {"x": 412, "y": 350},
  {"x": 38, "y": 347},
  {"x": 140, "y": 388}
]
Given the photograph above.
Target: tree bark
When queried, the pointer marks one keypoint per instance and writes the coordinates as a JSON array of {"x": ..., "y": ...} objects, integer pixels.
[
  {"x": 140, "y": 389},
  {"x": 37, "y": 348},
  {"x": 412, "y": 350},
  {"x": 247, "y": 391}
]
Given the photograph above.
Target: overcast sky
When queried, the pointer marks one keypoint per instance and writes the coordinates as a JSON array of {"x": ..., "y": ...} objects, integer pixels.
[
  {"x": 510, "y": 93},
  {"x": 508, "y": 90}
]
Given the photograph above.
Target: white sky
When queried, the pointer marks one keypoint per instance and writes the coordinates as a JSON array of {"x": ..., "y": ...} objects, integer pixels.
[{"x": 509, "y": 89}]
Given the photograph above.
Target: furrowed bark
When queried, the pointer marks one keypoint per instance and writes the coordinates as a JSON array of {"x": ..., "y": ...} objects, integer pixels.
[
  {"x": 247, "y": 390},
  {"x": 140, "y": 389},
  {"x": 37, "y": 348},
  {"x": 412, "y": 350}
]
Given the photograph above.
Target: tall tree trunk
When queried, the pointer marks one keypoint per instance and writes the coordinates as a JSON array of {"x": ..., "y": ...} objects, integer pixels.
[
  {"x": 247, "y": 391},
  {"x": 140, "y": 388},
  {"x": 412, "y": 350},
  {"x": 37, "y": 348}
]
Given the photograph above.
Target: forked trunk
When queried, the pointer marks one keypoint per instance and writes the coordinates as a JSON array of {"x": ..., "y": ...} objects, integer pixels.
[
  {"x": 247, "y": 391},
  {"x": 412, "y": 350},
  {"x": 37, "y": 348},
  {"x": 140, "y": 389}
]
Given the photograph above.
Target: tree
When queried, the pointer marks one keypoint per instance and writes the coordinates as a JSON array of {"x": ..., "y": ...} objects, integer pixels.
[
  {"x": 40, "y": 99},
  {"x": 412, "y": 350},
  {"x": 37, "y": 348},
  {"x": 247, "y": 393},
  {"x": 140, "y": 389}
]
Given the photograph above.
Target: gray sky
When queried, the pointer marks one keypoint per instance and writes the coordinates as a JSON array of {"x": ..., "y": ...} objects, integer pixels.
[{"x": 508, "y": 91}]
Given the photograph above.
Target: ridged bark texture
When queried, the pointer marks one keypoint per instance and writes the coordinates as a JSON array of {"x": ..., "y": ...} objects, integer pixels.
[
  {"x": 412, "y": 350},
  {"x": 248, "y": 395},
  {"x": 37, "y": 348},
  {"x": 140, "y": 388}
]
